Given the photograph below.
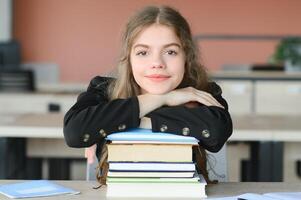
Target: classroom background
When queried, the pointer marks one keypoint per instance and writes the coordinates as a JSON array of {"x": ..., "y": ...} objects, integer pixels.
[{"x": 50, "y": 49}]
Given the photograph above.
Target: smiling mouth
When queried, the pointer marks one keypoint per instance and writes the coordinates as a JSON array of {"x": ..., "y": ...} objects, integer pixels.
[{"x": 157, "y": 77}]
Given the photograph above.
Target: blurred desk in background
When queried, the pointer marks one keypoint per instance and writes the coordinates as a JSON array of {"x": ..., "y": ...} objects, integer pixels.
[
  {"x": 35, "y": 102},
  {"x": 45, "y": 133},
  {"x": 284, "y": 128},
  {"x": 263, "y": 93},
  {"x": 26, "y": 141},
  {"x": 32, "y": 125},
  {"x": 38, "y": 136},
  {"x": 266, "y": 135}
]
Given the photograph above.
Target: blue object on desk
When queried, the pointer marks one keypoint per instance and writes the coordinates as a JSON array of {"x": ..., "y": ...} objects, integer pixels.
[
  {"x": 38, "y": 188},
  {"x": 140, "y": 134}
]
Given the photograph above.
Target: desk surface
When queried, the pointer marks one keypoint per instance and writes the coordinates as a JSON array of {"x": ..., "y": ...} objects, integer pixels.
[
  {"x": 213, "y": 191},
  {"x": 266, "y": 128},
  {"x": 256, "y": 75},
  {"x": 32, "y": 125},
  {"x": 246, "y": 128}
]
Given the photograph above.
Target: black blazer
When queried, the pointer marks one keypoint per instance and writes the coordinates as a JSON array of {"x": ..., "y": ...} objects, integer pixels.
[{"x": 93, "y": 117}]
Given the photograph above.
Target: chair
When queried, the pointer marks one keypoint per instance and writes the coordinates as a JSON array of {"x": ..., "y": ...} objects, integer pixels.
[
  {"x": 217, "y": 164},
  {"x": 91, "y": 170},
  {"x": 16, "y": 81}
]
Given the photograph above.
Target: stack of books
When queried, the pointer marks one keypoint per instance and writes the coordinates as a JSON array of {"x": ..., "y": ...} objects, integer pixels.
[{"x": 147, "y": 164}]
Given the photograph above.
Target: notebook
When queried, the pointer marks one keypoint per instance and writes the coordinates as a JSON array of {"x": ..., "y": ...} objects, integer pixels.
[
  {"x": 140, "y": 134},
  {"x": 37, "y": 188}
]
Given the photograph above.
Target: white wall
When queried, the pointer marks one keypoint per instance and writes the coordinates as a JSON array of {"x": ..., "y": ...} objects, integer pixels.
[{"x": 5, "y": 20}]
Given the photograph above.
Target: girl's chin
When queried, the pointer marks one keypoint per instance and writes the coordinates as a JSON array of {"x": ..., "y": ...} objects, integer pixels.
[{"x": 155, "y": 91}]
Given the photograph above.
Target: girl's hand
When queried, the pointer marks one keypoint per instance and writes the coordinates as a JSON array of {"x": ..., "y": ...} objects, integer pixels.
[
  {"x": 149, "y": 102},
  {"x": 90, "y": 153},
  {"x": 145, "y": 122},
  {"x": 190, "y": 94}
]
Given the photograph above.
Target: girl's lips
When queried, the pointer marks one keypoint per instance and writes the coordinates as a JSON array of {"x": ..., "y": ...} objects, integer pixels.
[{"x": 157, "y": 77}]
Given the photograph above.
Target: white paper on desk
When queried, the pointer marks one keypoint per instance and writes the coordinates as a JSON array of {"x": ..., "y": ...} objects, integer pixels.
[
  {"x": 266, "y": 196},
  {"x": 253, "y": 196},
  {"x": 284, "y": 195},
  {"x": 247, "y": 196}
]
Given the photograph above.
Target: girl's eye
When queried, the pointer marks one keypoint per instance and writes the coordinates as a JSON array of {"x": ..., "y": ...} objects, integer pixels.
[
  {"x": 141, "y": 53},
  {"x": 171, "y": 52}
]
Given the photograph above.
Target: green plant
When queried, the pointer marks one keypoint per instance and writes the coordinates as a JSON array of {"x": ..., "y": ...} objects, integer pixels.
[{"x": 289, "y": 49}]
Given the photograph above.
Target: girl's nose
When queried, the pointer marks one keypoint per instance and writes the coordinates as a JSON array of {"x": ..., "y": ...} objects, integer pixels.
[
  {"x": 158, "y": 62},
  {"x": 160, "y": 66}
]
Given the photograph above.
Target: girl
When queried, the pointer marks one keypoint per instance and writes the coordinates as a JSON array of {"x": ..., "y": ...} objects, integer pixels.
[{"x": 160, "y": 85}]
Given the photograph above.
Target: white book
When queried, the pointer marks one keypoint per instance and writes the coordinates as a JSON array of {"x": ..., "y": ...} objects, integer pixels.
[
  {"x": 157, "y": 190},
  {"x": 152, "y": 174},
  {"x": 153, "y": 180},
  {"x": 151, "y": 166}
]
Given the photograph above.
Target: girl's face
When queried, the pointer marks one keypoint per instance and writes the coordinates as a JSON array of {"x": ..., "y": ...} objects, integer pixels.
[{"x": 157, "y": 59}]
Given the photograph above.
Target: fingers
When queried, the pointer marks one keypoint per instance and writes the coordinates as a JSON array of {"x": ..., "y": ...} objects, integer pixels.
[
  {"x": 190, "y": 94},
  {"x": 209, "y": 102},
  {"x": 209, "y": 99},
  {"x": 204, "y": 97}
]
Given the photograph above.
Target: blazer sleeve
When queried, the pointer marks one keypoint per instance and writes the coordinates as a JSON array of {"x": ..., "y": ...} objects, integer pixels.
[
  {"x": 93, "y": 116},
  {"x": 211, "y": 125}
]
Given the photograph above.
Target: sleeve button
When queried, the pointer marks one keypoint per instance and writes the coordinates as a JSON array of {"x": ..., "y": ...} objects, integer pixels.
[
  {"x": 102, "y": 133},
  {"x": 86, "y": 137},
  {"x": 163, "y": 128},
  {"x": 122, "y": 127},
  {"x": 206, "y": 133},
  {"x": 185, "y": 131}
]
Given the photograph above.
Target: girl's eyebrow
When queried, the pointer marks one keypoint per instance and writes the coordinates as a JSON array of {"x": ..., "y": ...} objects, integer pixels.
[
  {"x": 165, "y": 46},
  {"x": 172, "y": 44}
]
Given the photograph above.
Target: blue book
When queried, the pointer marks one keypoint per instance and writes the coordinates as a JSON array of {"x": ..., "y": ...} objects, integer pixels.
[
  {"x": 146, "y": 135},
  {"x": 38, "y": 188}
]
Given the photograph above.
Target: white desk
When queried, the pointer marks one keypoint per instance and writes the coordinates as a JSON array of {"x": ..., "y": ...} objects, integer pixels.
[
  {"x": 213, "y": 191},
  {"x": 246, "y": 128},
  {"x": 266, "y": 136},
  {"x": 46, "y": 135},
  {"x": 266, "y": 128},
  {"x": 32, "y": 125},
  {"x": 37, "y": 102},
  {"x": 43, "y": 127}
]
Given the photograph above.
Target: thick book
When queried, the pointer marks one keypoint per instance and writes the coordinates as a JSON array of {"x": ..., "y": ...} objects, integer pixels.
[
  {"x": 38, "y": 188},
  {"x": 156, "y": 190},
  {"x": 152, "y": 174},
  {"x": 147, "y": 135},
  {"x": 152, "y": 166},
  {"x": 150, "y": 152}
]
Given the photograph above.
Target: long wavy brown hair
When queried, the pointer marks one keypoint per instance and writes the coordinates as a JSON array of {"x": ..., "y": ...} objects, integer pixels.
[
  {"x": 195, "y": 75},
  {"x": 125, "y": 86}
]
